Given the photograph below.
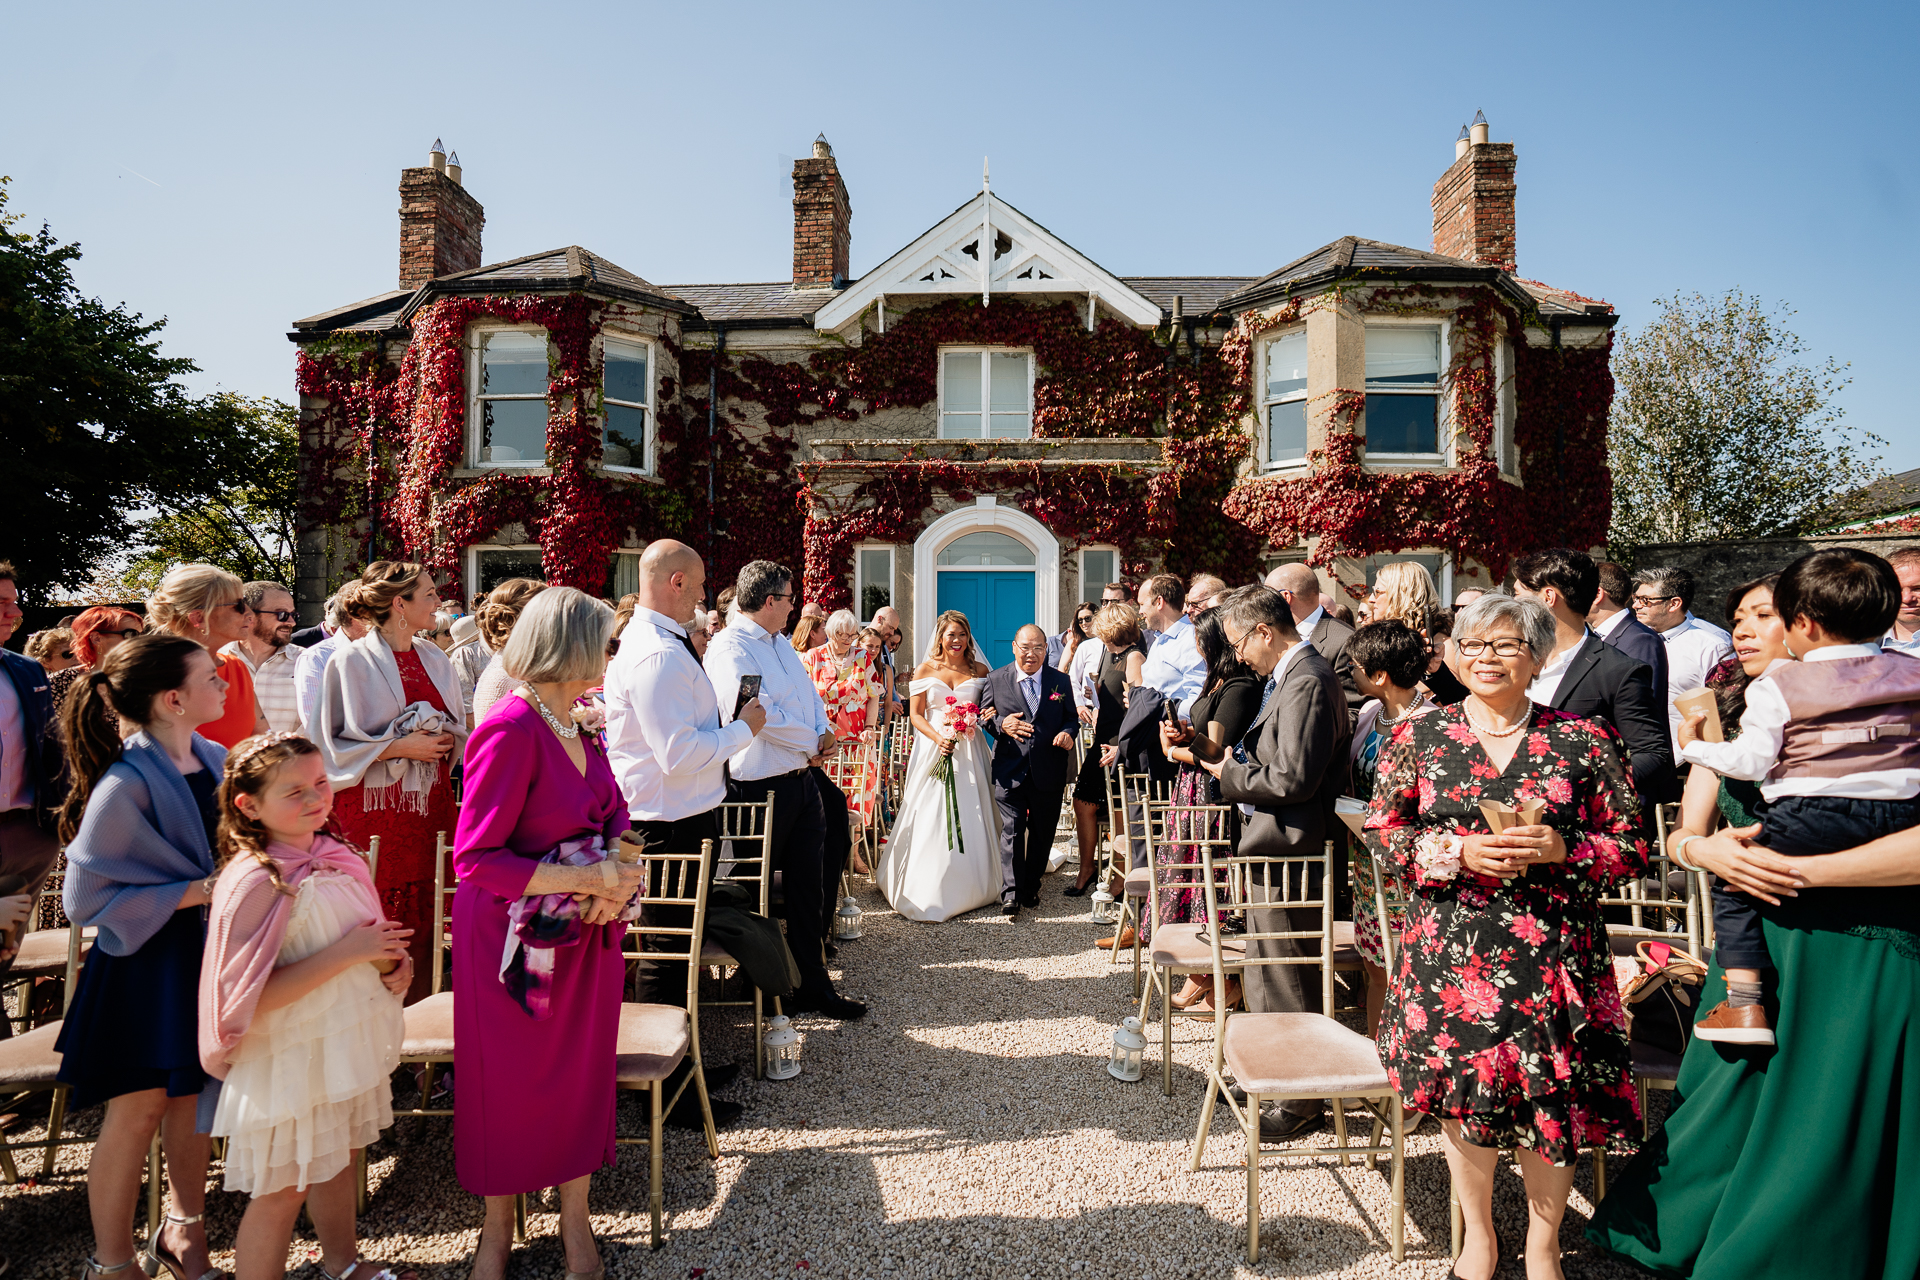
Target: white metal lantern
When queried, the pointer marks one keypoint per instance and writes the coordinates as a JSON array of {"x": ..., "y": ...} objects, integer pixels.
[
  {"x": 783, "y": 1049},
  {"x": 1104, "y": 910},
  {"x": 1128, "y": 1045},
  {"x": 846, "y": 921}
]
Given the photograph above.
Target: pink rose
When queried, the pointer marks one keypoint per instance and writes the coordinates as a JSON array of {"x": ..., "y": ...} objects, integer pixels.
[
  {"x": 1559, "y": 790},
  {"x": 1479, "y": 998},
  {"x": 1528, "y": 930}
]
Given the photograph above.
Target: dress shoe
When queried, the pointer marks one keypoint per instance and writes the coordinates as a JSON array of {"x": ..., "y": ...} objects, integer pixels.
[
  {"x": 1284, "y": 1126},
  {"x": 1197, "y": 986},
  {"x": 1079, "y": 888},
  {"x": 1009, "y": 909},
  {"x": 826, "y": 1002},
  {"x": 1124, "y": 941},
  {"x": 1727, "y": 1024},
  {"x": 1031, "y": 900},
  {"x": 1203, "y": 1008}
]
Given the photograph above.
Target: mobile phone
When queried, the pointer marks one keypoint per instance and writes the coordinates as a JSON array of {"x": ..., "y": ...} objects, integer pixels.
[
  {"x": 1172, "y": 712},
  {"x": 749, "y": 690}
]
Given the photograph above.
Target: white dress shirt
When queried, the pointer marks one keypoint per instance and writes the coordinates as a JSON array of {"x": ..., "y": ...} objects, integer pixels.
[
  {"x": 469, "y": 660},
  {"x": 16, "y": 786},
  {"x": 1892, "y": 644},
  {"x": 796, "y": 717},
  {"x": 665, "y": 740},
  {"x": 1306, "y": 625},
  {"x": 1546, "y": 681},
  {"x": 306, "y": 674},
  {"x": 1693, "y": 649},
  {"x": 1084, "y": 671},
  {"x": 1174, "y": 666},
  {"x": 1763, "y": 732},
  {"x": 273, "y": 684},
  {"x": 1613, "y": 623}
]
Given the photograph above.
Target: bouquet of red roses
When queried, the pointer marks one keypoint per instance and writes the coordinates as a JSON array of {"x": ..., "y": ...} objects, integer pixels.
[{"x": 963, "y": 721}]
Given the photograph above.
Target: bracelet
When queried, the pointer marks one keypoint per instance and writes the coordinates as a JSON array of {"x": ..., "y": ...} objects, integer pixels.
[{"x": 1679, "y": 851}]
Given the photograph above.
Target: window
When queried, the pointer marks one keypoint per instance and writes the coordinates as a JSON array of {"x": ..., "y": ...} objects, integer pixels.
[
  {"x": 873, "y": 580},
  {"x": 1098, "y": 567},
  {"x": 986, "y": 395},
  {"x": 626, "y": 394},
  {"x": 512, "y": 400},
  {"x": 1403, "y": 390},
  {"x": 494, "y": 565},
  {"x": 623, "y": 575},
  {"x": 986, "y": 550},
  {"x": 1438, "y": 564},
  {"x": 1506, "y": 452},
  {"x": 1286, "y": 399}
]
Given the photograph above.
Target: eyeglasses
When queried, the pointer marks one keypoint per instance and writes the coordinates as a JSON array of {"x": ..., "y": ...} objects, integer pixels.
[
  {"x": 1648, "y": 602},
  {"x": 1030, "y": 648},
  {"x": 1504, "y": 648},
  {"x": 238, "y": 606},
  {"x": 125, "y": 633},
  {"x": 279, "y": 615},
  {"x": 1244, "y": 637}
]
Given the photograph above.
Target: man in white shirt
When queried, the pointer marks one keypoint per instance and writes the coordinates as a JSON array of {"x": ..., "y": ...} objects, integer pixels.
[
  {"x": 1662, "y": 599},
  {"x": 269, "y": 656},
  {"x": 779, "y": 762},
  {"x": 342, "y": 630},
  {"x": 470, "y": 657},
  {"x": 1904, "y": 635},
  {"x": 1174, "y": 665}
]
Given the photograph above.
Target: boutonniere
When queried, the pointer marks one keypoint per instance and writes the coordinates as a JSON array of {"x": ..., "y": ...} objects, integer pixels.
[{"x": 1055, "y": 696}]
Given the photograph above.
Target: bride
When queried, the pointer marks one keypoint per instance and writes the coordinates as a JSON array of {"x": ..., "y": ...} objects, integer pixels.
[{"x": 920, "y": 873}]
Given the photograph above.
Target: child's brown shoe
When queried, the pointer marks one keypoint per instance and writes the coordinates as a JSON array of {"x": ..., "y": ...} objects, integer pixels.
[{"x": 1746, "y": 1024}]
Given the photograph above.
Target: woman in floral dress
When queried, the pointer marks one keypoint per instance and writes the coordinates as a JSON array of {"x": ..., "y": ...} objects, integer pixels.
[
  {"x": 1503, "y": 1019},
  {"x": 844, "y": 674}
]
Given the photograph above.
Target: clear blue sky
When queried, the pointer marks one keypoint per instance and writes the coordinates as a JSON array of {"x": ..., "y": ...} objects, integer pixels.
[{"x": 233, "y": 167}]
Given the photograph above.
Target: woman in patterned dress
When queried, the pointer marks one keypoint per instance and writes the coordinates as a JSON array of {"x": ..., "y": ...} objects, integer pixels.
[
  {"x": 1503, "y": 1019},
  {"x": 844, "y": 674}
]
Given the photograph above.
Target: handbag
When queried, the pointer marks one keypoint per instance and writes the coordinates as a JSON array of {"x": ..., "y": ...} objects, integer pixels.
[{"x": 1662, "y": 998}]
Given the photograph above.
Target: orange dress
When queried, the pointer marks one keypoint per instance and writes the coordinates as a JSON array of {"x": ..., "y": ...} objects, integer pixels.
[
  {"x": 237, "y": 723},
  {"x": 846, "y": 685}
]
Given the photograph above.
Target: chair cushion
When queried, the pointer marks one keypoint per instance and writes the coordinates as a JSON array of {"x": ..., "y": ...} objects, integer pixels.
[
  {"x": 429, "y": 1028},
  {"x": 1345, "y": 954},
  {"x": 44, "y": 951},
  {"x": 653, "y": 1039},
  {"x": 1139, "y": 882},
  {"x": 1303, "y": 1055},
  {"x": 1180, "y": 946},
  {"x": 29, "y": 1060}
]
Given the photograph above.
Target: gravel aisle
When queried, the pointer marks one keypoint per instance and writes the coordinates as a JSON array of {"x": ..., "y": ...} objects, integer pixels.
[{"x": 965, "y": 1127}]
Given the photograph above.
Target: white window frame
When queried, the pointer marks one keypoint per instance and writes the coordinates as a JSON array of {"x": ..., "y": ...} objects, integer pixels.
[
  {"x": 613, "y": 573},
  {"x": 653, "y": 421},
  {"x": 476, "y": 347},
  {"x": 986, "y": 355},
  {"x": 1506, "y": 412},
  {"x": 1442, "y": 581},
  {"x": 471, "y": 582},
  {"x": 1081, "y": 568},
  {"x": 1266, "y": 403},
  {"x": 860, "y": 575},
  {"x": 1443, "y": 391}
]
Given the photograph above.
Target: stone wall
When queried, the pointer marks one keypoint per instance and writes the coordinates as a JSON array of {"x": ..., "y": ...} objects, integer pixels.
[{"x": 1719, "y": 567}]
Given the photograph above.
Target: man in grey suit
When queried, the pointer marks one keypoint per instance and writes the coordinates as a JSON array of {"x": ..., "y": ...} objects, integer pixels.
[
  {"x": 1284, "y": 774},
  {"x": 1299, "y": 586}
]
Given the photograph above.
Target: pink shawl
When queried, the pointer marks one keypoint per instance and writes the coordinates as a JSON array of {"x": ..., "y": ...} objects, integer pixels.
[{"x": 248, "y": 926}]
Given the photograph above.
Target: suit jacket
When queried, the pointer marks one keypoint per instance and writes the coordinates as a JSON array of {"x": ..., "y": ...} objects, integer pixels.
[
  {"x": 1330, "y": 637},
  {"x": 1638, "y": 640},
  {"x": 1297, "y": 761},
  {"x": 46, "y": 763},
  {"x": 1036, "y": 761},
  {"x": 1606, "y": 684}
]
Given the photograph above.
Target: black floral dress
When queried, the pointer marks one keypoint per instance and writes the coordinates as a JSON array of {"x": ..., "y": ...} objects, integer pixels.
[{"x": 1503, "y": 1012}]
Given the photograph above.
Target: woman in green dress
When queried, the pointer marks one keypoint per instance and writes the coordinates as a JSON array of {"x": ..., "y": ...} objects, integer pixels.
[{"x": 1801, "y": 1159}]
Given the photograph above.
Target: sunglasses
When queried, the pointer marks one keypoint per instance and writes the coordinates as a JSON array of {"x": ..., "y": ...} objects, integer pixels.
[
  {"x": 125, "y": 633},
  {"x": 278, "y": 615}
]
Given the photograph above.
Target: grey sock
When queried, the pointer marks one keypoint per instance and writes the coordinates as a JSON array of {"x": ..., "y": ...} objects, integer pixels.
[{"x": 1741, "y": 994}]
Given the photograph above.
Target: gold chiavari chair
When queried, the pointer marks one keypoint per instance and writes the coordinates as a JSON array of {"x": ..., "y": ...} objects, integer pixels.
[
  {"x": 1178, "y": 949},
  {"x": 745, "y": 858}
]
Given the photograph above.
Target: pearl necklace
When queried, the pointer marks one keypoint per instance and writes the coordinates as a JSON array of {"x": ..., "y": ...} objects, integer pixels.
[
  {"x": 1419, "y": 703},
  {"x": 567, "y": 731},
  {"x": 1494, "y": 733}
]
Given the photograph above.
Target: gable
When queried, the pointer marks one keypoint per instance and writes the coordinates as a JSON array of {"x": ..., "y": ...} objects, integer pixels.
[{"x": 1026, "y": 258}]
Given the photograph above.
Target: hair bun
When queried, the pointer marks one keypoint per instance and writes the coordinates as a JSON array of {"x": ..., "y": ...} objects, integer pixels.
[{"x": 99, "y": 679}]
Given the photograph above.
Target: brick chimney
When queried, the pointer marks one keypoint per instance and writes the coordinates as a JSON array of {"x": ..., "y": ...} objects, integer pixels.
[
  {"x": 440, "y": 223},
  {"x": 822, "y": 221},
  {"x": 1473, "y": 201}
]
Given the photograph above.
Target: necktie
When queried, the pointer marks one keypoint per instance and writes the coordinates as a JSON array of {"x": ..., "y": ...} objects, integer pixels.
[
  {"x": 1030, "y": 690},
  {"x": 686, "y": 642},
  {"x": 1266, "y": 696}
]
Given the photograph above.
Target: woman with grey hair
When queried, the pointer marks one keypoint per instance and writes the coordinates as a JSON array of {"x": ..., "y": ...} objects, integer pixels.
[
  {"x": 535, "y": 1035},
  {"x": 848, "y": 678},
  {"x": 1503, "y": 1019}
]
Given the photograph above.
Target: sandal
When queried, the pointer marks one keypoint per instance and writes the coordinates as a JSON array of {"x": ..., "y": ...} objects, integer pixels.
[
  {"x": 158, "y": 1255},
  {"x": 93, "y": 1268},
  {"x": 353, "y": 1270}
]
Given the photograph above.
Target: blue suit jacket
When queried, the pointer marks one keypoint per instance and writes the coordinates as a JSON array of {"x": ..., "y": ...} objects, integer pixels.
[
  {"x": 1036, "y": 762},
  {"x": 1638, "y": 640},
  {"x": 46, "y": 763}
]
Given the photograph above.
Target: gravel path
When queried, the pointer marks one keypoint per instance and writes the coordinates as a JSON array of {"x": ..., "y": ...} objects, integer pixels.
[{"x": 966, "y": 1127}]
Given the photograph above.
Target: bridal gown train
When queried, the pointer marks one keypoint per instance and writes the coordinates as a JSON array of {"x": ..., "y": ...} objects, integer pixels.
[{"x": 920, "y": 875}]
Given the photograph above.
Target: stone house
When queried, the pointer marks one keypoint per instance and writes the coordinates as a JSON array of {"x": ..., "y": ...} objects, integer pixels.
[{"x": 987, "y": 420}]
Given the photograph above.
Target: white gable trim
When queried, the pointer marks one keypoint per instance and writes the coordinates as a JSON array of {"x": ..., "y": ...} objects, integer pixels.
[{"x": 1038, "y": 262}]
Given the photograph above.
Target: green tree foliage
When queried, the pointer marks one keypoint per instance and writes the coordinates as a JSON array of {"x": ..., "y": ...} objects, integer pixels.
[{"x": 1720, "y": 431}]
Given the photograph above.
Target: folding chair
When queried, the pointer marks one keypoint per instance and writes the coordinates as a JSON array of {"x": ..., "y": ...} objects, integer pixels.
[
  {"x": 1179, "y": 949},
  {"x": 656, "y": 1038},
  {"x": 1666, "y": 896},
  {"x": 1279, "y": 1056},
  {"x": 30, "y": 1064},
  {"x": 44, "y": 953},
  {"x": 746, "y": 858},
  {"x": 428, "y": 1041},
  {"x": 853, "y": 771}
]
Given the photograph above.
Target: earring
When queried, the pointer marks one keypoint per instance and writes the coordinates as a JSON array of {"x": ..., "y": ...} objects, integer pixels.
[{"x": 179, "y": 711}]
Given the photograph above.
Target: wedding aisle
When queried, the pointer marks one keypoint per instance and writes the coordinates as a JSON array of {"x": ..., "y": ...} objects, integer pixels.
[{"x": 966, "y": 1127}]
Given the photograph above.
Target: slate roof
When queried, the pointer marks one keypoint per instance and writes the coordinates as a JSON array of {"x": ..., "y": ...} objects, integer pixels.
[
  {"x": 1198, "y": 294},
  {"x": 778, "y": 303},
  {"x": 1891, "y": 496},
  {"x": 371, "y": 315}
]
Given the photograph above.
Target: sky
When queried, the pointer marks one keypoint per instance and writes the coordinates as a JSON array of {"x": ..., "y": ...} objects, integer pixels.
[{"x": 233, "y": 167}]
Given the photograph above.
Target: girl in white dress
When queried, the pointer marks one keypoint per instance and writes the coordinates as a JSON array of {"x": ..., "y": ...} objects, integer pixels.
[
  {"x": 299, "y": 1008},
  {"x": 924, "y": 874}
]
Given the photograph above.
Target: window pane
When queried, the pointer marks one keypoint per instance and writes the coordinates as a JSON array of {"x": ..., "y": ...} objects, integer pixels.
[
  {"x": 626, "y": 372},
  {"x": 963, "y": 382},
  {"x": 496, "y": 566},
  {"x": 876, "y": 581},
  {"x": 626, "y": 442},
  {"x": 1287, "y": 365},
  {"x": 1012, "y": 426},
  {"x": 1401, "y": 356},
  {"x": 1287, "y": 431},
  {"x": 1009, "y": 383},
  {"x": 1403, "y": 424},
  {"x": 986, "y": 549},
  {"x": 1432, "y": 562},
  {"x": 1096, "y": 571},
  {"x": 513, "y": 430},
  {"x": 626, "y": 575},
  {"x": 515, "y": 365}
]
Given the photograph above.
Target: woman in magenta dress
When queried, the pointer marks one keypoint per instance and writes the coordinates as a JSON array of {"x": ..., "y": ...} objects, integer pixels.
[{"x": 534, "y": 1048}]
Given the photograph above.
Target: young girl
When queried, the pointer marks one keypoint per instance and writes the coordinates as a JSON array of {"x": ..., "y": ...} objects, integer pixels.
[{"x": 295, "y": 1015}]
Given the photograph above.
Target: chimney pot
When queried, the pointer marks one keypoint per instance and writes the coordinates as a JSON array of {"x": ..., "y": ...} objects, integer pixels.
[
  {"x": 437, "y": 156},
  {"x": 822, "y": 150},
  {"x": 453, "y": 167},
  {"x": 1460, "y": 143},
  {"x": 1478, "y": 133}
]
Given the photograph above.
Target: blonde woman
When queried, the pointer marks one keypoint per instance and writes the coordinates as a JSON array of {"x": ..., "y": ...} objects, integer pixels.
[
  {"x": 1403, "y": 591},
  {"x": 503, "y": 607},
  {"x": 209, "y": 607}
]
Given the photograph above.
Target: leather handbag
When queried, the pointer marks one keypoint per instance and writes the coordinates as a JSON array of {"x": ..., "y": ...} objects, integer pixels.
[{"x": 1663, "y": 997}]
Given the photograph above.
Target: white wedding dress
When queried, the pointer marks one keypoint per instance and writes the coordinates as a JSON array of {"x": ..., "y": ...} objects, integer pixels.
[{"x": 921, "y": 876}]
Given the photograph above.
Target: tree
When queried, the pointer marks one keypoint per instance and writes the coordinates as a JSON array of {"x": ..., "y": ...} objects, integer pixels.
[
  {"x": 1719, "y": 431},
  {"x": 94, "y": 423}
]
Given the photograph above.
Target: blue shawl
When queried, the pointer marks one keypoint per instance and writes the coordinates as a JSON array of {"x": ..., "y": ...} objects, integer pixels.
[{"x": 140, "y": 844}]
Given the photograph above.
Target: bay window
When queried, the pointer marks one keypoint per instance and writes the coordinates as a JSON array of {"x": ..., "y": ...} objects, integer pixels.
[
  {"x": 1286, "y": 399},
  {"x": 510, "y": 399},
  {"x": 1403, "y": 390}
]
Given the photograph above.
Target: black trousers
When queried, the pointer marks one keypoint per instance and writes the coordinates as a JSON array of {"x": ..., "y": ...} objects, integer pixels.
[
  {"x": 1028, "y": 816},
  {"x": 665, "y": 981},
  {"x": 800, "y": 856},
  {"x": 836, "y": 816}
]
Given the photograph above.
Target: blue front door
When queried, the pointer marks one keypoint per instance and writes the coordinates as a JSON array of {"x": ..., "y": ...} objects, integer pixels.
[{"x": 996, "y": 604}]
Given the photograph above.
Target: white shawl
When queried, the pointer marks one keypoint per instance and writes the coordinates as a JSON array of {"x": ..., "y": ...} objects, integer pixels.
[{"x": 362, "y": 709}]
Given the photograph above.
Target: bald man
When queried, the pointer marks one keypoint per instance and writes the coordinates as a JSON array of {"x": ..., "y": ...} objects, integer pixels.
[
  {"x": 1299, "y": 586},
  {"x": 1029, "y": 706},
  {"x": 886, "y": 620}
]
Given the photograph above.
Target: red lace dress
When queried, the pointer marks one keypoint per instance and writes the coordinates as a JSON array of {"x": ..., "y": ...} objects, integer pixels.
[{"x": 405, "y": 874}]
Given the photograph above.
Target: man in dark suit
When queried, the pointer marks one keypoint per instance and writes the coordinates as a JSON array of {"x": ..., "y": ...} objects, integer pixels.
[
  {"x": 1299, "y": 586},
  {"x": 1616, "y": 624},
  {"x": 32, "y": 769},
  {"x": 1285, "y": 774},
  {"x": 1029, "y": 706},
  {"x": 1587, "y": 677}
]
